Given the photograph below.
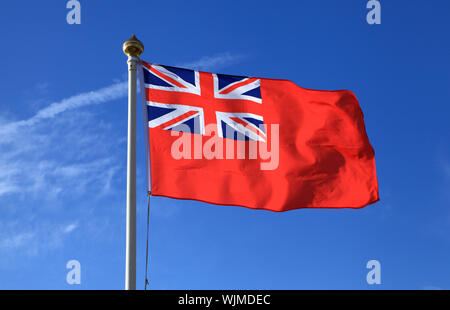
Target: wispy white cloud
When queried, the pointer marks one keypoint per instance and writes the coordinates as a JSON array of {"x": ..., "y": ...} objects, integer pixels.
[
  {"x": 69, "y": 228},
  {"x": 30, "y": 238},
  {"x": 64, "y": 156},
  {"x": 102, "y": 95},
  {"x": 213, "y": 62},
  {"x": 6, "y": 187},
  {"x": 16, "y": 241},
  {"x": 109, "y": 93}
]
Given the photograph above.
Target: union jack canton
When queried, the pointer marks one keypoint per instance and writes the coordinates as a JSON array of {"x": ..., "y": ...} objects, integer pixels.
[{"x": 177, "y": 98}]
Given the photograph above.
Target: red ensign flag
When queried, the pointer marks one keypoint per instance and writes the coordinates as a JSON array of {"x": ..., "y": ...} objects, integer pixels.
[{"x": 253, "y": 142}]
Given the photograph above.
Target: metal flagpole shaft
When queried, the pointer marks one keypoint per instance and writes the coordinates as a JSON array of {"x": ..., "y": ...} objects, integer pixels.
[{"x": 132, "y": 48}]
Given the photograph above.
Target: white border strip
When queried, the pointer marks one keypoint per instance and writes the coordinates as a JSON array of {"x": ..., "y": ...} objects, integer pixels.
[{"x": 146, "y": 129}]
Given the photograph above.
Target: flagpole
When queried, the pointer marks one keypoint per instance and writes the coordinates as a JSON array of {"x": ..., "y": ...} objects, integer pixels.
[{"x": 132, "y": 48}]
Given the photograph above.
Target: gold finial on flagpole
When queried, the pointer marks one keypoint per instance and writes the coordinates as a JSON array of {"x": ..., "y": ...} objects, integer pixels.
[{"x": 133, "y": 47}]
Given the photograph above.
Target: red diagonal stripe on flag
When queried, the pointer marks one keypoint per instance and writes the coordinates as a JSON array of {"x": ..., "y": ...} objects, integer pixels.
[
  {"x": 163, "y": 76},
  {"x": 237, "y": 85}
]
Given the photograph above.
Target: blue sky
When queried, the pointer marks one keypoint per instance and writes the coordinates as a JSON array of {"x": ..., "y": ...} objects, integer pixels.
[{"x": 63, "y": 145}]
